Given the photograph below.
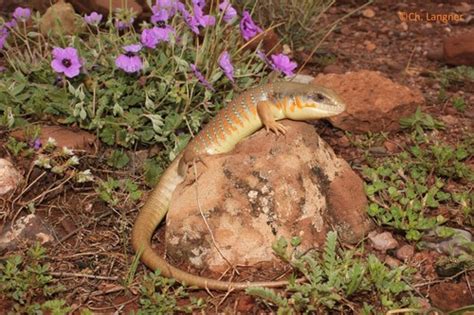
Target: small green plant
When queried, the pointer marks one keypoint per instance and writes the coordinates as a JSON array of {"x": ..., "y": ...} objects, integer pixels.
[
  {"x": 179, "y": 85},
  {"x": 465, "y": 200},
  {"x": 24, "y": 279},
  {"x": 459, "y": 103},
  {"x": 442, "y": 95},
  {"x": 62, "y": 162},
  {"x": 332, "y": 277},
  {"x": 118, "y": 159},
  {"x": 456, "y": 75},
  {"x": 53, "y": 307},
  {"x": 445, "y": 160},
  {"x": 419, "y": 122},
  {"x": 15, "y": 146},
  {"x": 405, "y": 188},
  {"x": 113, "y": 191},
  {"x": 152, "y": 169},
  {"x": 160, "y": 295},
  {"x": 297, "y": 19}
]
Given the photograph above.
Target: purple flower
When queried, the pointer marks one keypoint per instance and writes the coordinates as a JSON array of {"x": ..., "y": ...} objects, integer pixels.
[
  {"x": 263, "y": 57},
  {"x": 132, "y": 48},
  {"x": 248, "y": 28},
  {"x": 93, "y": 19},
  {"x": 198, "y": 19},
  {"x": 66, "y": 60},
  {"x": 152, "y": 37},
  {"x": 163, "y": 32},
  {"x": 199, "y": 3},
  {"x": 121, "y": 25},
  {"x": 22, "y": 14},
  {"x": 282, "y": 63},
  {"x": 36, "y": 144},
  {"x": 201, "y": 78},
  {"x": 130, "y": 62},
  {"x": 226, "y": 65},
  {"x": 11, "y": 24},
  {"x": 148, "y": 38},
  {"x": 201, "y": 19},
  {"x": 3, "y": 36},
  {"x": 190, "y": 20},
  {"x": 161, "y": 16},
  {"x": 169, "y": 6},
  {"x": 229, "y": 11}
]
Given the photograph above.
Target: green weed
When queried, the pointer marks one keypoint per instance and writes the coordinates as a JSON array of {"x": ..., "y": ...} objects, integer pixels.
[
  {"x": 297, "y": 18},
  {"x": 63, "y": 162},
  {"x": 24, "y": 279},
  {"x": 160, "y": 295},
  {"x": 332, "y": 277},
  {"x": 420, "y": 122},
  {"x": 113, "y": 191},
  {"x": 15, "y": 147},
  {"x": 455, "y": 75},
  {"x": 118, "y": 159},
  {"x": 459, "y": 103},
  {"x": 406, "y": 188}
]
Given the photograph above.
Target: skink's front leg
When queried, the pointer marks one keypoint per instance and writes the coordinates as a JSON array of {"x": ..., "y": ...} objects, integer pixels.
[
  {"x": 189, "y": 161},
  {"x": 265, "y": 114}
]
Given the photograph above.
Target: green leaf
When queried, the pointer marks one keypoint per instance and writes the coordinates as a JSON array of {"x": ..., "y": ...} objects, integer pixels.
[
  {"x": 329, "y": 256},
  {"x": 152, "y": 172},
  {"x": 107, "y": 135},
  {"x": 413, "y": 235},
  {"x": 118, "y": 159},
  {"x": 157, "y": 123},
  {"x": 117, "y": 110},
  {"x": 16, "y": 89},
  {"x": 295, "y": 241}
]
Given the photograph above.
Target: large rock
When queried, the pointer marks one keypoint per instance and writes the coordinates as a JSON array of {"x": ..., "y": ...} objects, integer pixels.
[
  {"x": 374, "y": 102},
  {"x": 8, "y": 6},
  {"x": 133, "y": 5},
  {"x": 59, "y": 19},
  {"x": 82, "y": 7},
  {"x": 451, "y": 296},
  {"x": 10, "y": 178},
  {"x": 65, "y": 137},
  {"x": 459, "y": 50},
  {"x": 102, "y": 6},
  {"x": 29, "y": 228},
  {"x": 267, "y": 187}
]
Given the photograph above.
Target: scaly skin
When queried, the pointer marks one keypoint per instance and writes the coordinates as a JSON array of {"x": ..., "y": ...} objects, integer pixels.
[{"x": 252, "y": 110}]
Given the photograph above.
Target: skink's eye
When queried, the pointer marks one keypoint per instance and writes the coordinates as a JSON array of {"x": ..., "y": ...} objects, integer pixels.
[{"x": 319, "y": 97}]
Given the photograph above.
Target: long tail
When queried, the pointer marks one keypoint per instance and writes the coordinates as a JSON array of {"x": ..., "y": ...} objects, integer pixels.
[{"x": 150, "y": 217}]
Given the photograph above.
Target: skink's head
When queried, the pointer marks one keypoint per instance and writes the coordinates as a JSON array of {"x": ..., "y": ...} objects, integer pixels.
[{"x": 308, "y": 101}]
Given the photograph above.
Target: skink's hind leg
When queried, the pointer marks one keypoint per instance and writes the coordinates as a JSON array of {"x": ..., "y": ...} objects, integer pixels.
[{"x": 265, "y": 113}]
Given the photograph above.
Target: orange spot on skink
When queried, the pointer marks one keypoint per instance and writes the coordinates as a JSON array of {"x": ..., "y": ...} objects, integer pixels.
[{"x": 298, "y": 102}]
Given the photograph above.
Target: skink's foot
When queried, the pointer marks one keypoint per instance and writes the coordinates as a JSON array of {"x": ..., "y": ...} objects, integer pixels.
[
  {"x": 276, "y": 128},
  {"x": 193, "y": 175}
]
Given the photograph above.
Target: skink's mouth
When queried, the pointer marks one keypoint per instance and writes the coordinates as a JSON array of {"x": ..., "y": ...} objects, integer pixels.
[{"x": 332, "y": 108}]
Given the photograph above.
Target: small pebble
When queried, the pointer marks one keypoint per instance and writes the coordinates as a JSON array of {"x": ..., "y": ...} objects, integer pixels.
[
  {"x": 370, "y": 46},
  {"x": 368, "y": 13},
  {"x": 383, "y": 241},
  {"x": 333, "y": 69},
  {"x": 392, "y": 262},
  {"x": 390, "y": 146},
  {"x": 405, "y": 252}
]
